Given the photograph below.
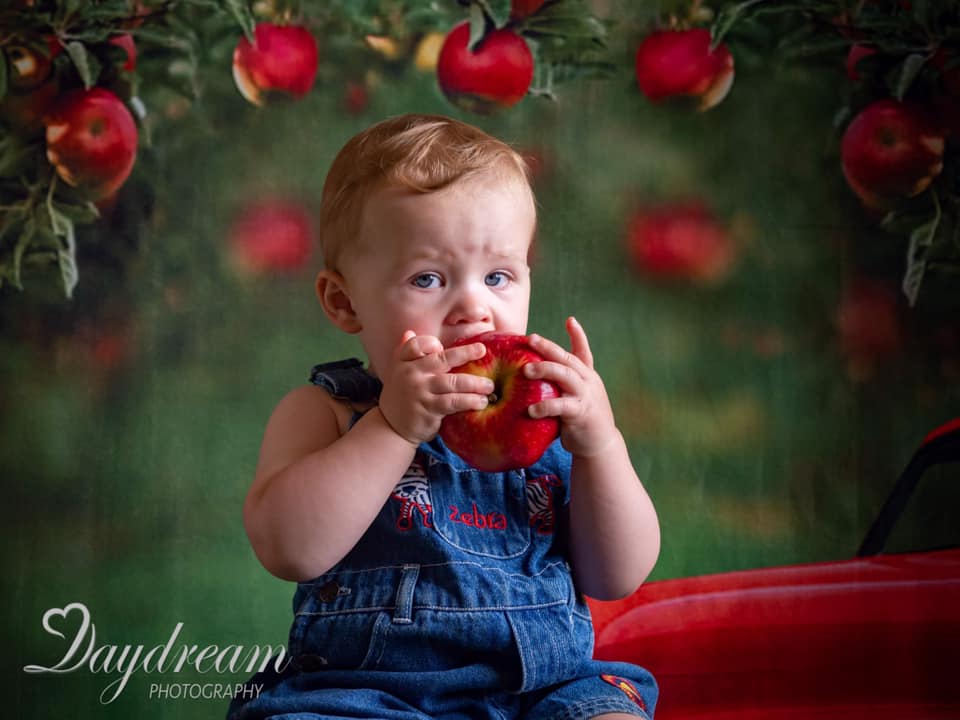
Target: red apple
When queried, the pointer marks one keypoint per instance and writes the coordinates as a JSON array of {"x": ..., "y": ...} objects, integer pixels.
[
  {"x": 125, "y": 41},
  {"x": 868, "y": 328},
  {"x": 356, "y": 97},
  {"x": 283, "y": 59},
  {"x": 495, "y": 75},
  {"x": 856, "y": 54},
  {"x": 891, "y": 151},
  {"x": 520, "y": 9},
  {"x": 92, "y": 141},
  {"x": 503, "y": 436},
  {"x": 672, "y": 63},
  {"x": 680, "y": 241},
  {"x": 271, "y": 235},
  {"x": 30, "y": 67},
  {"x": 32, "y": 85}
]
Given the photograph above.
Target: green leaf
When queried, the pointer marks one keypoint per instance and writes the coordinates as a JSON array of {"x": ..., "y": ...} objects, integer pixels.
[
  {"x": 841, "y": 117},
  {"x": 9, "y": 219},
  {"x": 81, "y": 214},
  {"x": 903, "y": 75},
  {"x": 567, "y": 26},
  {"x": 478, "y": 26},
  {"x": 67, "y": 253},
  {"x": 16, "y": 155},
  {"x": 728, "y": 17},
  {"x": 241, "y": 12},
  {"x": 921, "y": 240},
  {"x": 23, "y": 242},
  {"x": 86, "y": 63},
  {"x": 498, "y": 11}
]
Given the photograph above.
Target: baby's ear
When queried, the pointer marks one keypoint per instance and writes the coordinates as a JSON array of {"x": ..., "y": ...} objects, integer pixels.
[{"x": 335, "y": 299}]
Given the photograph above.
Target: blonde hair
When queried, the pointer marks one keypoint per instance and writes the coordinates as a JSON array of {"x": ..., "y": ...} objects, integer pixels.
[{"x": 424, "y": 153}]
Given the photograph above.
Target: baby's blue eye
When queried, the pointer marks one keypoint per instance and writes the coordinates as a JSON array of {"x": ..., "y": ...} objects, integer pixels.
[
  {"x": 496, "y": 279},
  {"x": 426, "y": 280}
]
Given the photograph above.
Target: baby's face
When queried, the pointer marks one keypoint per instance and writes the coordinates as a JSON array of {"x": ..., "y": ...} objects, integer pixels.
[{"x": 451, "y": 263}]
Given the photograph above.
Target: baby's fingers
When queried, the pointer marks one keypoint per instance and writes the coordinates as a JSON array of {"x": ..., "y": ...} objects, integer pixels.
[
  {"x": 554, "y": 407},
  {"x": 551, "y": 351},
  {"x": 461, "y": 383},
  {"x": 450, "y": 403},
  {"x": 460, "y": 354},
  {"x": 563, "y": 375},
  {"x": 579, "y": 345},
  {"x": 414, "y": 347}
]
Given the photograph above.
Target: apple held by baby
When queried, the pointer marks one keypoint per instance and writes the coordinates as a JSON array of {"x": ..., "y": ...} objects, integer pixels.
[{"x": 503, "y": 436}]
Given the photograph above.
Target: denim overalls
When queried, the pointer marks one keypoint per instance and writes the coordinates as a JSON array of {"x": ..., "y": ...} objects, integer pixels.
[{"x": 456, "y": 603}]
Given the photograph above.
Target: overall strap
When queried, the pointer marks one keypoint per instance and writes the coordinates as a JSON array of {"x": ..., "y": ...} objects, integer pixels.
[{"x": 347, "y": 380}]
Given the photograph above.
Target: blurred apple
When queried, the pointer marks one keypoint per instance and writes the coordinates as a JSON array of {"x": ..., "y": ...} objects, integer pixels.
[
  {"x": 496, "y": 75},
  {"x": 92, "y": 141},
  {"x": 273, "y": 235},
  {"x": 32, "y": 86},
  {"x": 520, "y": 9},
  {"x": 680, "y": 241},
  {"x": 385, "y": 46},
  {"x": 427, "y": 54},
  {"x": 28, "y": 66},
  {"x": 678, "y": 63},
  {"x": 356, "y": 97},
  {"x": 282, "y": 60},
  {"x": 125, "y": 41},
  {"x": 857, "y": 53},
  {"x": 868, "y": 328},
  {"x": 891, "y": 151}
]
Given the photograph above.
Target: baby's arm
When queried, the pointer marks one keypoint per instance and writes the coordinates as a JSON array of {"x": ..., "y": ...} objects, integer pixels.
[
  {"x": 316, "y": 492},
  {"x": 614, "y": 531}
]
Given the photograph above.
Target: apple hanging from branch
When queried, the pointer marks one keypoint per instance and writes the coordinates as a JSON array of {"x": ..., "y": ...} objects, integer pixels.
[
  {"x": 520, "y": 9},
  {"x": 29, "y": 66},
  {"x": 494, "y": 75},
  {"x": 125, "y": 41},
  {"x": 282, "y": 60},
  {"x": 681, "y": 63},
  {"x": 92, "y": 141},
  {"x": 891, "y": 151},
  {"x": 503, "y": 436}
]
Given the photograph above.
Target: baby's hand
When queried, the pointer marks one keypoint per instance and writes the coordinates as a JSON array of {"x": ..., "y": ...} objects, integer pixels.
[
  {"x": 419, "y": 390},
  {"x": 586, "y": 419}
]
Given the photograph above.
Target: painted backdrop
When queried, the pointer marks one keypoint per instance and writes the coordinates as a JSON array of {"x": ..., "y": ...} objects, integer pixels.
[{"x": 744, "y": 308}]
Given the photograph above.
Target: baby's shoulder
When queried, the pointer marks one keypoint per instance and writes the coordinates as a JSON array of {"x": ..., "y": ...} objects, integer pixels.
[{"x": 312, "y": 406}]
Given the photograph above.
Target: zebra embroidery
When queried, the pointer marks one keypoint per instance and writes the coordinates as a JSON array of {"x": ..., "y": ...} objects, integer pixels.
[
  {"x": 413, "y": 493},
  {"x": 540, "y": 502}
]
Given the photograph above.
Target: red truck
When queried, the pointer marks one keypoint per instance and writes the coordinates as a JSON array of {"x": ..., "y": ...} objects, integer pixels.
[{"x": 874, "y": 637}]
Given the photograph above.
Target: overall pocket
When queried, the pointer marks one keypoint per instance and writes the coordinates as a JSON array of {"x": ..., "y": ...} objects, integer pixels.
[
  {"x": 483, "y": 514},
  {"x": 328, "y": 633},
  {"x": 342, "y": 641}
]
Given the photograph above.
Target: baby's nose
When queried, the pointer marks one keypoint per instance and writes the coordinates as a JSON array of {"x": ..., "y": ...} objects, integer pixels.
[{"x": 469, "y": 308}]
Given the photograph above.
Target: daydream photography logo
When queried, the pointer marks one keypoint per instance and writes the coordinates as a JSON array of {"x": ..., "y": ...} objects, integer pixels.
[{"x": 123, "y": 661}]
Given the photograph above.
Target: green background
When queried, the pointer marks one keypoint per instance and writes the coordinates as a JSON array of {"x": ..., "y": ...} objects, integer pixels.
[{"x": 123, "y": 486}]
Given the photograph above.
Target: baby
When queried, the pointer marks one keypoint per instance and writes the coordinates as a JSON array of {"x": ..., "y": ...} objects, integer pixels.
[{"x": 403, "y": 609}]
